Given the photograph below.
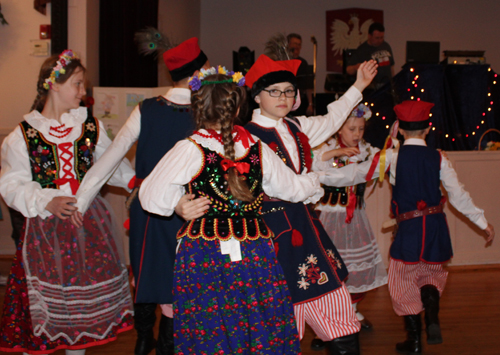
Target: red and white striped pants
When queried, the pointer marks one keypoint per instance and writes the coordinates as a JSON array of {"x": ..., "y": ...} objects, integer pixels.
[
  {"x": 405, "y": 281},
  {"x": 330, "y": 316}
]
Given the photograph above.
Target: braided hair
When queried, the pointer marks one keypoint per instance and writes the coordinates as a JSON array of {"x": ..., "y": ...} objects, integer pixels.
[
  {"x": 45, "y": 72},
  {"x": 219, "y": 104}
]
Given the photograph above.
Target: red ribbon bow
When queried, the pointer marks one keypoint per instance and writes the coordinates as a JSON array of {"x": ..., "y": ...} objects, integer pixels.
[{"x": 241, "y": 167}]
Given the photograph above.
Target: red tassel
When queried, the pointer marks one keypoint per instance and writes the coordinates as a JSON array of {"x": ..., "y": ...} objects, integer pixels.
[
  {"x": 126, "y": 224},
  {"x": 276, "y": 248},
  {"x": 131, "y": 183},
  {"x": 297, "y": 239},
  {"x": 351, "y": 205}
]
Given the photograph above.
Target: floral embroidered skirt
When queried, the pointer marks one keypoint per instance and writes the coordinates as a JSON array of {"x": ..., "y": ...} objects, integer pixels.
[
  {"x": 68, "y": 288},
  {"x": 224, "y": 307}
]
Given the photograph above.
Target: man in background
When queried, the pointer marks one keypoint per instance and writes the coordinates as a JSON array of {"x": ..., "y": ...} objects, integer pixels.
[
  {"x": 305, "y": 78},
  {"x": 377, "y": 49}
]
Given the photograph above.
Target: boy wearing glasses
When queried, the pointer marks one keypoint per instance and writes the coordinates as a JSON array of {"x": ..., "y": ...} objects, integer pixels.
[{"x": 312, "y": 266}]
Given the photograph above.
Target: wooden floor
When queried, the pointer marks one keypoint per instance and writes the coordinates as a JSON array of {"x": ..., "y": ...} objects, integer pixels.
[{"x": 470, "y": 307}]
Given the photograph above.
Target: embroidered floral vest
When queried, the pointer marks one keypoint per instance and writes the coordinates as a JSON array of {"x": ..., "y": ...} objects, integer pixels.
[
  {"x": 227, "y": 217},
  {"x": 43, "y": 155}
]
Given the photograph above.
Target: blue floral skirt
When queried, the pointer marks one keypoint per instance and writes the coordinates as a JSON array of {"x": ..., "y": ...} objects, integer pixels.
[{"x": 224, "y": 307}]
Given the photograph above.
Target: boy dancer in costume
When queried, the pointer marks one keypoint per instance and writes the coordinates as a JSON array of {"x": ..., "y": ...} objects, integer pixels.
[
  {"x": 157, "y": 124},
  {"x": 422, "y": 243},
  {"x": 312, "y": 266}
]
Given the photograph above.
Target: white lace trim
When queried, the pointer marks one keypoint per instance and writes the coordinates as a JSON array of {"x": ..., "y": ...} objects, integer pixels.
[
  {"x": 39, "y": 330},
  {"x": 214, "y": 145}
]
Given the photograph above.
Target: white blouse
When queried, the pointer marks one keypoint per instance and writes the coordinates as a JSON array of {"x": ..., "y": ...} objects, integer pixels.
[
  {"x": 16, "y": 182},
  {"x": 162, "y": 189}
]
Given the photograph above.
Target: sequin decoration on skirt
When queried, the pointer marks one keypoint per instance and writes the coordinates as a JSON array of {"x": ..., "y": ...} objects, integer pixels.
[
  {"x": 68, "y": 287},
  {"x": 224, "y": 307}
]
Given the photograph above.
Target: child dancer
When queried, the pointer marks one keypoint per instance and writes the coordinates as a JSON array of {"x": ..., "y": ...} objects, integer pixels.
[
  {"x": 313, "y": 268},
  {"x": 422, "y": 243},
  {"x": 156, "y": 124},
  {"x": 230, "y": 296},
  {"x": 342, "y": 209},
  {"x": 68, "y": 287}
]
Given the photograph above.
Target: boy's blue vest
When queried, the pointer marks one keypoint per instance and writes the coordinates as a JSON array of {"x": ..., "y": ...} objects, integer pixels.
[
  {"x": 423, "y": 238},
  {"x": 153, "y": 237}
]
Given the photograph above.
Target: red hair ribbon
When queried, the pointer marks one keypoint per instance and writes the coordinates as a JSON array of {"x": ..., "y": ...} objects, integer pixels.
[{"x": 241, "y": 167}]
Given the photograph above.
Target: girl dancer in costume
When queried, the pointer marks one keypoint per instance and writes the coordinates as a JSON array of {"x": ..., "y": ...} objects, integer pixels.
[
  {"x": 342, "y": 209},
  {"x": 230, "y": 295},
  {"x": 68, "y": 287},
  {"x": 313, "y": 268}
]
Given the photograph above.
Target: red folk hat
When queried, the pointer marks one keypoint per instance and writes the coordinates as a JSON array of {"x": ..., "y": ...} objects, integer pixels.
[
  {"x": 183, "y": 60},
  {"x": 413, "y": 115},
  {"x": 265, "y": 72}
]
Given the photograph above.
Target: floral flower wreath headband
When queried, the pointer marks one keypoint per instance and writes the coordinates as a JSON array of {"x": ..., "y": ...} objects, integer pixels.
[
  {"x": 64, "y": 59},
  {"x": 361, "y": 111},
  {"x": 197, "y": 81}
]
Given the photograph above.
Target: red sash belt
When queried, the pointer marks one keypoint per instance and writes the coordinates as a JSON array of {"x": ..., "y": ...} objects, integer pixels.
[{"x": 419, "y": 213}]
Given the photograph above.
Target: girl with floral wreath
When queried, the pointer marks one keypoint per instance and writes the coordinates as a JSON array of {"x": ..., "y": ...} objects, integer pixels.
[
  {"x": 343, "y": 211},
  {"x": 68, "y": 287},
  {"x": 230, "y": 295}
]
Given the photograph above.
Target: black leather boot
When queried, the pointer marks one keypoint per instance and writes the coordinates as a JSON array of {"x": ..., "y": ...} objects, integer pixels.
[
  {"x": 165, "y": 337},
  {"x": 413, "y": 343},
  {"x": 430, "y": 299},
  {"x": 346, "y": 345},
  {"x": 144, "y": 321}
]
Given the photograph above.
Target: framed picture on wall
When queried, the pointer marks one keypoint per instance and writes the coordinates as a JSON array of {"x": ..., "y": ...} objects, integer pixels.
[{"x": 346, "y": 29}]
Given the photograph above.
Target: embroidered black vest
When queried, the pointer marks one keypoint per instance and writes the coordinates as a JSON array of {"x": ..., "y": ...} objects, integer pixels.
[
  {"x": 43, "y": 156},
  {"x": 340, "y": 195},
  {"x": 273, "y": 139},
  {"x": 227, "y": 217}
]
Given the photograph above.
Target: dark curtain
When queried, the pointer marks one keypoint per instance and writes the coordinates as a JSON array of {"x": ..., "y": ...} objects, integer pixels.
[
  {"x": 59, "y": 26},
  {"x": 460, "y": 94},
  {"x": 120, "y": 64}
]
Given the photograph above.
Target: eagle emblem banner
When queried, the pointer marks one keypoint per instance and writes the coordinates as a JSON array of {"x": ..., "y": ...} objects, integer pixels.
[{"x": 346, "y": 29}]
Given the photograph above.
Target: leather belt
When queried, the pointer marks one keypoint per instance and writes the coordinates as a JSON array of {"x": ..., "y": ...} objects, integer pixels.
[
  {"x": 417, "y": 213},
  {"x": 270, "y": 199}
]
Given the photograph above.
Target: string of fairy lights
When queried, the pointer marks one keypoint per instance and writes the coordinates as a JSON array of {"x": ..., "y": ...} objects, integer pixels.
[{"x": 416, "y": 92}]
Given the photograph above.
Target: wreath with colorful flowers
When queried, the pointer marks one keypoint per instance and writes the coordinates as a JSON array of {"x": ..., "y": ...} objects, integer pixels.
[
  {"x": 361, "y": 111},
  {"x": 64, "y": 59},
  {"x": 197, "y": 81}
]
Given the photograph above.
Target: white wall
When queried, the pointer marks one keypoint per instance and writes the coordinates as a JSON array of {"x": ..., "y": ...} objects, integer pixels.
[
  {"x": 18, "y": 70},
  {"x": 457, "y": 24},
  {"x": 179, "y": 21}
]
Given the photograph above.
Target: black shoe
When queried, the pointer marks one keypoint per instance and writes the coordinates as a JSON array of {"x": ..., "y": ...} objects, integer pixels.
[
  {"x": 366, "y": 324},
  {"x": 346, "y": 345},
  {"x": 412, "y": 344},
  {"x": 317, "y": 344},
  {"x": 430, "y": 300},
  {"x": 144, "y": 321},
  {"x": 165, "y": 337}
]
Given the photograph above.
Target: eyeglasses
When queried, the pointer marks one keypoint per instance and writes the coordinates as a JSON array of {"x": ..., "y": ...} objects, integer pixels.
[{"x": 277, "y": 93}]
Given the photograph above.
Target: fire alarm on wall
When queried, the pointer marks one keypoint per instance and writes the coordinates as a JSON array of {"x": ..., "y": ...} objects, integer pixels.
[{"x": 44, "y": 31}]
